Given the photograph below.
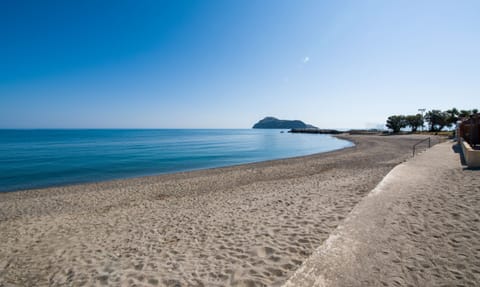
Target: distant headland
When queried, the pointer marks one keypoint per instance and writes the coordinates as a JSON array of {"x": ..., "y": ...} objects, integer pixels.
[{"x": 274, "y": 123}]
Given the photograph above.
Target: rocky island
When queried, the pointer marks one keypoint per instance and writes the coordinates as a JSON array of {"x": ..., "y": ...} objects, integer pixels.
[{"x": 274, "y": 123}]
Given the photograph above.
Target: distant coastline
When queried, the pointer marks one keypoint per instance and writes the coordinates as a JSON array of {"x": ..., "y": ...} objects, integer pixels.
[{"x": 315, "y": 131}]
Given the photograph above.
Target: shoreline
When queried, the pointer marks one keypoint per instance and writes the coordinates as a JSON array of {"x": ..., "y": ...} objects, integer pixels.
[
  {"x": 181, "y": 174},
  {"x": 156, "y": 175},
  {"x": 250, "y": 224}
]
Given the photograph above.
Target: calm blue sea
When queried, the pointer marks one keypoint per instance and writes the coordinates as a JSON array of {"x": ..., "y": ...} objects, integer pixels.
[{"x": 43, "y": 158}]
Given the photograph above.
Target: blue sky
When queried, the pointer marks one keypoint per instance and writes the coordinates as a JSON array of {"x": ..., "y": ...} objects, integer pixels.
[{"x": 227, "y": 64}]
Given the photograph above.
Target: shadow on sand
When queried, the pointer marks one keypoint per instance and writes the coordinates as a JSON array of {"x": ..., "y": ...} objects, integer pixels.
[{"x": 458, "y": 149}]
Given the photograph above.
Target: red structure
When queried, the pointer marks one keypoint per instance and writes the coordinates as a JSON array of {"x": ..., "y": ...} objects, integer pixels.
[{"x": 469, "y": 130}]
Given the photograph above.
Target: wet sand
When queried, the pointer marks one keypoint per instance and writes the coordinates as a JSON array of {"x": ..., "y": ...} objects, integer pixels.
[{"x": 247, "y": 225}]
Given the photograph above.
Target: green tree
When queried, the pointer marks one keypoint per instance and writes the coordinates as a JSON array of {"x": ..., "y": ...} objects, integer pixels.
[
  {"x": 414, "y": 121},
  {"x": 464, "y": 113},
  {"x": 452, "y": 116},
  {"x": 467, "y": 113},
  {"x": 396, "y": 123},
  {"x": 436, "y": 119}
]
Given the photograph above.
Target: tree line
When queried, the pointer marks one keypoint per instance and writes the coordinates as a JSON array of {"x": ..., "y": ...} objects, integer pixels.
[{"x": 436, "y": 120}]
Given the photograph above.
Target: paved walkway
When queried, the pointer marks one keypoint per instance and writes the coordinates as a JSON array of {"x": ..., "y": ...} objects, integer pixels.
[{"x": 419, "y": 227}]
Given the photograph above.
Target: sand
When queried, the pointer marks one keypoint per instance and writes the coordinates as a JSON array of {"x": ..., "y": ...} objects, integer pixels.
[
  {"x": 419, "y": 227},
  {"x": 247, "y": 225}
]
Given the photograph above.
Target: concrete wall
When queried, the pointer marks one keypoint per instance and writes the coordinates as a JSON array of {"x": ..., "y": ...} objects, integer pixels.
[{"x": 472, "y": 157}]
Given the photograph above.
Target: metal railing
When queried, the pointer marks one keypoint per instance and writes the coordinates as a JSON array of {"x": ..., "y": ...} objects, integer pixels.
[{"x": 424, "y": 140}]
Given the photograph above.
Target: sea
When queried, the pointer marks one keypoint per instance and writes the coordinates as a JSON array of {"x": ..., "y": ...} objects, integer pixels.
[{"x": 45, "y": 158}]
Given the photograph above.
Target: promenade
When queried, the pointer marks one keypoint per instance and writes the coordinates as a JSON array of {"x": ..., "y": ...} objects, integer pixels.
[{"x": 419, "y": 227}]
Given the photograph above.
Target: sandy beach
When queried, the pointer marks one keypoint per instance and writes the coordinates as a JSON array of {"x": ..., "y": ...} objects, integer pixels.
[
  {"x": 247, "y": 225},
  {"x": 419, "y": 227}
]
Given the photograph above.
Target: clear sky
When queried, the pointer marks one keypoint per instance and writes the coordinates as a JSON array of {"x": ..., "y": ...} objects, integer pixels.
[{"x": 227, "y": 64}]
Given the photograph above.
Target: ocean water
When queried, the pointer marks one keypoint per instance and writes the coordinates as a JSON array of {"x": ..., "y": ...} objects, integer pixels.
[{"x": 44, "y": 158}]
